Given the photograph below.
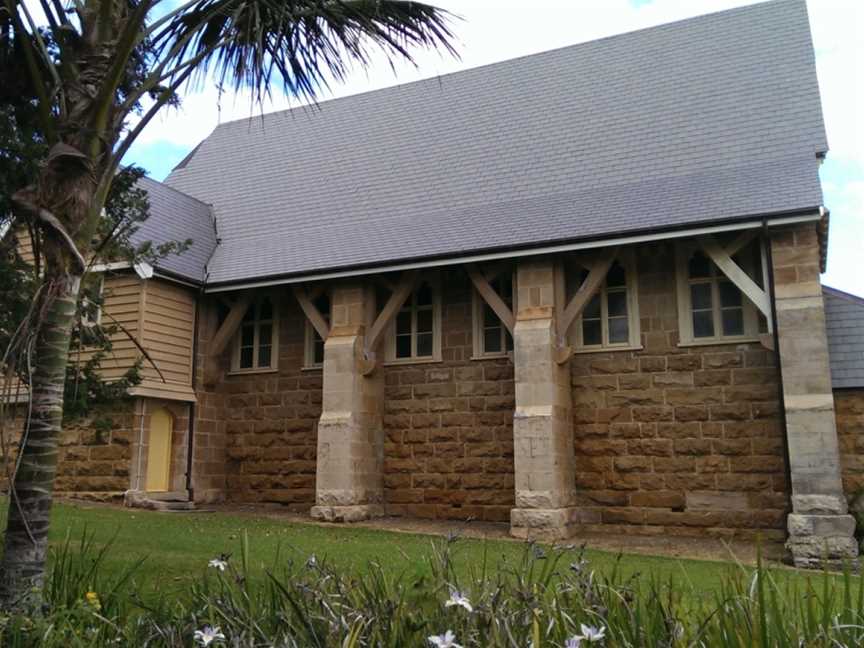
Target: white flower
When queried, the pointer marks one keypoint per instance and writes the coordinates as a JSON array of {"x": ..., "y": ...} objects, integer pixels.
[
  {"x": 312, "y": 562},
  {"x": 592, "y": 634},
  {"x": 218, "y": 563},
  {"x": 447, "y": 640},
  {"x": 208, "y": 635},
  {"x": 458, "y": 599},
  {"x": 573, "y": 642}
]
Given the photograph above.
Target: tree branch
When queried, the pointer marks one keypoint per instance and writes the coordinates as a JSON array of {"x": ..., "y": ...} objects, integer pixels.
[{"x": 49, "y": 221}]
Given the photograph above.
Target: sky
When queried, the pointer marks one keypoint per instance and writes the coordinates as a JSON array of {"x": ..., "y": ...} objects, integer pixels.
[{"x": 488, "y": 31}]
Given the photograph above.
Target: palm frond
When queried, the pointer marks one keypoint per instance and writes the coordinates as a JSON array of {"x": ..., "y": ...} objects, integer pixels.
[{"x": 300, "y": 44}]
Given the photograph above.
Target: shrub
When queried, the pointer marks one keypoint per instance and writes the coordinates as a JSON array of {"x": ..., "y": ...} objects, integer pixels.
[{"x": 550, "y": 597}]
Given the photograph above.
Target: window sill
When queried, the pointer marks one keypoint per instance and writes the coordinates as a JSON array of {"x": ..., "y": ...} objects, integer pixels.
[
  {"x": 411, "y": 361},
  {"x": 319, "y": 367},
  {"x": 581, "y": 351},
  {"x": 493, "y": 356},
  {"x": 719, "y": 341},
  {"x": 246, "y": 372}
]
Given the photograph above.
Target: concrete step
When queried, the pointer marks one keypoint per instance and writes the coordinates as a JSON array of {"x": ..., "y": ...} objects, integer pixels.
[{"x": 168, "y": 496}]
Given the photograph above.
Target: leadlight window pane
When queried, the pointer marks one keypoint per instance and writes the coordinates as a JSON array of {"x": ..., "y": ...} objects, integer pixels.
[
  {"x": 700, "y": 296},
  {"x": 489, "y": 316},
  {"x": 246, "y": 355},
  {"x": 763, "y": 323},
  {"x": 509, "y": 341},
  {"x": 700, "y": 266},
  {"x": 424, "y": 344},
  {"x": 250, "y": 314},
  {"x": 247, "y": 336},
  {"x": 730, "y": 296},
  {"x": 424, "y": 295},
  {"x": 592, "y": 332},
  {"x": 703, "y": 324},
  {"x": 265, "y": 311},
  {"x": 403, "y": 346},
  {"x": 318, "y": 351},
  {"x": 617, "y": 304},
  {"x": 592, "y": 309},
  {"x": 733, "y": 321},
  {"x": 618, "y": 330},
  {"x": 616, "y": 277},
  {"x": 265, "y": 333},
  {"x": 492, "y": 340},
  {"x": 403, "y": 323},
  {"x": 264, "y": 355},
  {"x": 424, "y": 321}
]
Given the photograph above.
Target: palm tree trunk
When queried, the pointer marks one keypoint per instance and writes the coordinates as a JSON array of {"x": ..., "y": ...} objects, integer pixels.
[{"x": 26, "y": 542}]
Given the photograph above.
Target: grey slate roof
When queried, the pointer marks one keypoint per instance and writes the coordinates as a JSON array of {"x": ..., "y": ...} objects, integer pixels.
[
  {"x": 844, "y": 320},
  {"x": 711, "y": 119},
  {"x": 174, "y": 216}
]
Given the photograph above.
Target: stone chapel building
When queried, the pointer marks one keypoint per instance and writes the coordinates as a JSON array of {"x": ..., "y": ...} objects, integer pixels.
[{"x": 573, "y": 291}]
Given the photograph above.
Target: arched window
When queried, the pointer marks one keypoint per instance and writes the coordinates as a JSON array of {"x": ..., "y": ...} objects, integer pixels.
[
  {"x": 610, "y": 319},
  {"x": 256, "y": 344}
]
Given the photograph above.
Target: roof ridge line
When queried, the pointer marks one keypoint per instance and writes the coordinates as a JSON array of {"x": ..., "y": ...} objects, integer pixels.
[{"x": 318, "y": 104}]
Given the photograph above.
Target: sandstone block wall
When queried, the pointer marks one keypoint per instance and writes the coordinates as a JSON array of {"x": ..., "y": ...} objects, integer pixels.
[
  {"x": 849, "y": 408},
  {"x": 448, "y": 452},
  {"x": 255, "y": 437},
  {"x": 677, "y": 440},
  {"x": 95, "y": 454}
]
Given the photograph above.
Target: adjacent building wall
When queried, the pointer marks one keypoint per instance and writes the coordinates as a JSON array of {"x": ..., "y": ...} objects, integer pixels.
[{"x": 849, "y": 409}]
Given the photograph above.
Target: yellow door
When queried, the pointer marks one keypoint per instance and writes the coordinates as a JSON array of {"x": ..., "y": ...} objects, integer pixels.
[{"x": 159, "y": 452}]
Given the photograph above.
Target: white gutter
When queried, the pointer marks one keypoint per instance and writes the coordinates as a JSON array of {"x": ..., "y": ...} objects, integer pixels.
[{"x": 509, "y": 254}]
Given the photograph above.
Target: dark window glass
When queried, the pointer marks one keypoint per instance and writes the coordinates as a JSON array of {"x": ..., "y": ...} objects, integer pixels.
[
  {"x": 700, "y": 266},
  {"x": 763, "y": 324},
  {"x": 730, "y": 296},
  {"x": 246, "y": 355},
  {"x": 265, "y": 310},
  {"x": 403, "y": 346},
  {"x": 264, "y": 355},
  {"x": 592, "y": 333},
  {"x": 424, "y": 344},
  {"x": 703, "y": 324},
  {"x": 403, "y": 323},
  {"x": 250, "y": 314},
  {"x": 618, "y": 330},
  {"x": 424, "y": 295},
  {"x": 592, "y": 309},
  {"x": 700, "y": 296},
  {"x": 509, "y": 340},
  {"x": 318, "y": 351},
  {"x": 489, "y": 316},
  {"x": 616, "y": 277},
  {"x": 247, "y": 336},
  {"x": 492, "y": 340},
  {"x": 265, "y": 333},
  {"x": 424, "y": 321},
  {"x": 733, "y": 321},
  {"x": 617, "y": 304}
]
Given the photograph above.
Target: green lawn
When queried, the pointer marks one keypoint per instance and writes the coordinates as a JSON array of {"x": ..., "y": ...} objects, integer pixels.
[{"x": 177, "y": 547}]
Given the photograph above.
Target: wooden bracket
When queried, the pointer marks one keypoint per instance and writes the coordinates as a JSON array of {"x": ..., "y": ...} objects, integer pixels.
[
  {"x": 563, "y": 354},
  {"x": 722, "y": 259},
  {"x": 487, "y": 292},
  {"x": 311, "y": 311},
  {"x": 229, "y": 326},
  {"x": 401, "y": 292},
  {"x": 597, "y": 273}
]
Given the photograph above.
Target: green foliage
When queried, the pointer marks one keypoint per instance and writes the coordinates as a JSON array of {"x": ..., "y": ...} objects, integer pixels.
[{"x": 546, "y": 597}]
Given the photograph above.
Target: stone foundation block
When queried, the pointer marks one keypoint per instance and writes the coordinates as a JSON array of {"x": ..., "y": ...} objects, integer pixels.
[
  {"x": 817, "y": 541},
  {"x": 819, "y": 504},
  {"x": 354, "y": 513},
  {"x": 543, "y": 524}
]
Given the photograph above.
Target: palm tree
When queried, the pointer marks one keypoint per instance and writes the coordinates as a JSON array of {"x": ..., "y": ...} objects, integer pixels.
[{"x": 96, "y": 64}]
